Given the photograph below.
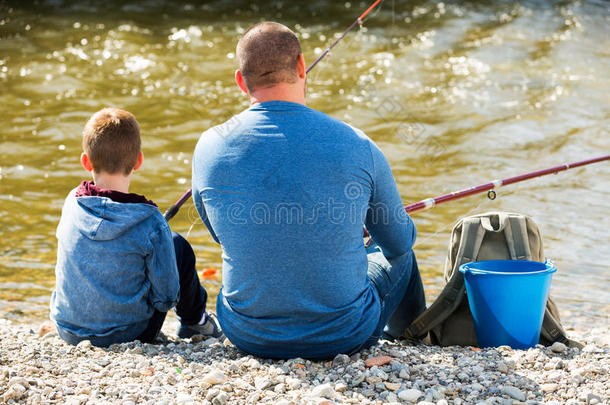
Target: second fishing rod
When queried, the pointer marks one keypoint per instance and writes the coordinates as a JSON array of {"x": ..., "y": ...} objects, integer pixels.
[{"x": 173, "y": 209}]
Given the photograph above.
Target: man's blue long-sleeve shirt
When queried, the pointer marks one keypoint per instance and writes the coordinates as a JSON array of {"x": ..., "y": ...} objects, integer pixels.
[{"x": 286, "y": 190}]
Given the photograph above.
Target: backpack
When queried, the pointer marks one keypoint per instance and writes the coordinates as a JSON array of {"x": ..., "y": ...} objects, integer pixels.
[{"x": 489, "y": 236}]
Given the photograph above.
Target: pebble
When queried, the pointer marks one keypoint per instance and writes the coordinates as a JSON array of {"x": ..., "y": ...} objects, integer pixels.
[
  {"x": 341, "y": 359},
  {"x": 549, "y": 387},
  {"x": 513, "y": 392},
  {"x": 37, "y": 369},
  {"x": 84, "y": 344},
  {"x": 558, "y": 347},
  {"x": 262, "y": 383},
  {"x": 214, "y": 377},
  {"x": 377, "y": 361},
  {"x": 221, "y": 399},
  {"x": 324, "y": 391},
  {"x": 410, "y": 395},
  {"x": 392, "y": 386},
  {"x": 15, "y": 391},
  {"x": 340, "y": 387}
]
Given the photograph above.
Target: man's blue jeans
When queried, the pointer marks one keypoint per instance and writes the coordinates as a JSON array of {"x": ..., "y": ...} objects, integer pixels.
[{"x": 401, "y": 291}]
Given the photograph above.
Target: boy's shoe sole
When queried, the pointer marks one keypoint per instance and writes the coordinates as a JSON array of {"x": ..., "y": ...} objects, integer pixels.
[{"x": 209, "y": 329}]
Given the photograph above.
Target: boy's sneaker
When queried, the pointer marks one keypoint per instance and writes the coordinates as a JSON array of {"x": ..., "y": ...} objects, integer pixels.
[{"x": 210, "y": 328}]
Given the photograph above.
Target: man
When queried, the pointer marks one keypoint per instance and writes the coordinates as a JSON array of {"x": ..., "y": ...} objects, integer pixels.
[{"x": 285, "y": 190}]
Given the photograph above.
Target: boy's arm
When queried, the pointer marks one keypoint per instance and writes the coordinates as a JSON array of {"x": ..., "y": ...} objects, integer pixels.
[
  {"x": 386, "y": 220},
  {"x": 162, "y": 271}
]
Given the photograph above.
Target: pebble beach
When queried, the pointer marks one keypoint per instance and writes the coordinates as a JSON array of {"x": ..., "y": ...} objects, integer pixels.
[{"x": 38, "y": 367}]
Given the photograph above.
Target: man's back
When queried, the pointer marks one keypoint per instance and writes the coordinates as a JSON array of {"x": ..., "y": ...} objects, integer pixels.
[{"x": 285, "y": 190}]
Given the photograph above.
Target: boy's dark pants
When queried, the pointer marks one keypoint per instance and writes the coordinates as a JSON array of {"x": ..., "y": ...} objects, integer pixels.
[{"x": 193, "y": 296}]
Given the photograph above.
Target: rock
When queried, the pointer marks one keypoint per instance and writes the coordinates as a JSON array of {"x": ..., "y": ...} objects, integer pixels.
[
  {"x": 404, "y": 374},
  {"x": 373, "y": 379},
  {"x": 552, "y": 387},
  {"x": 501, "y": 367},
  {"x": 392, "y": 386},
  {"x": 50, "y": 335},
  {"x": 45, "y": 328},
  {"x": 18, "y": 380},
  {"x": 262, "y": 383},
  {"x": 324, "y": 391},
  {"x": 84, "y": 345},
  {"x": 341, "y": 360},
  {"x": 214, "y": 377},
  {"x": 340, "y": 387},
  {"x": 221, "y": 399},
  {"x": 477, "y": 387},
  {"x": 358, "y": 380},
  {"x": 558, "y": 347},
  {"x": 593, "y": 399},
  {"x": 211, "y": 394},
  {"x": 254, "y": 364},
  {"x": 411, "y": 395},
  {"x": 513, "y": 392},
  {"x": 182, "y": 398},
  {"x": 377, "y": 361},
  {"x": 15, "y": 391}
]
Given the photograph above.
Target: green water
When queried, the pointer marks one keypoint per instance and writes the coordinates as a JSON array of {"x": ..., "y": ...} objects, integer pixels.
[{"x": 454, "y": 93}]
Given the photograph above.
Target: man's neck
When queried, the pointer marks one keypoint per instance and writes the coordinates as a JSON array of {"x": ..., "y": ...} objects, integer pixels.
[
  {"x": 117, "y": 182},
  {"x": 282, "y": 92}
]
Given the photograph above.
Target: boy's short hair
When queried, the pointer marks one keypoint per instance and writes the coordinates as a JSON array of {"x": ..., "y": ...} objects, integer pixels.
[{"x": 111, "y": 139}]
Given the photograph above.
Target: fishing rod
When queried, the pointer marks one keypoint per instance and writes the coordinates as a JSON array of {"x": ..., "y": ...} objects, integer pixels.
[
  {"x": 456, "y": 195},
  {"x": 173, "y": 209},
  {"x": 358, "y": 21}
]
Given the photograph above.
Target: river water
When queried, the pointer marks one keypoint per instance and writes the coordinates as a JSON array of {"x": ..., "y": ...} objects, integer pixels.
[{"x": 455, "y": 94}]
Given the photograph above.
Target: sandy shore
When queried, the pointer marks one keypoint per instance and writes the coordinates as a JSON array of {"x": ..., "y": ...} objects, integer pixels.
[{"x": 36, "y": 369}]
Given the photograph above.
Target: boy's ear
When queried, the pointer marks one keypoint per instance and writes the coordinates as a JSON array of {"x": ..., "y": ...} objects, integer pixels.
[
  {"x": 139, "y": 161},
  {"x": 239, "y": 79},
  {"x": 84, "y": 160}
]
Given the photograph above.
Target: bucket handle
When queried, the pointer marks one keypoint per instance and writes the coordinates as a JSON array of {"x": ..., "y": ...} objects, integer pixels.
[{"x": 548, "y": 264}]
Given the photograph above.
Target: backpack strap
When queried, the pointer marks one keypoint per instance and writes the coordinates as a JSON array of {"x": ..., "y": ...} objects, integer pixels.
[
  {"x": 453, "y": 293},
  {"x": 515, "y": 230},
  {"x": 552, "y": 331},
  {"x": 519, "y": 247}
]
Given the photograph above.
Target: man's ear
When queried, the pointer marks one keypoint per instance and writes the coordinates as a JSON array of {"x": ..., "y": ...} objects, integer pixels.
[
  {"x": 139, "y": 161},
  {"x": 301, "y": 70},
  {"x": 84, "y": 160},
  {"x": 239, "y": 79}
]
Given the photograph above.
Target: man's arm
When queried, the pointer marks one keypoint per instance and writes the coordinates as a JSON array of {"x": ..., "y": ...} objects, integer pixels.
[
  {"x": 202, "y": 213},
  {"x": 162, "y": 271},
  {"x": 196, "y": 187},
  {"x": 386, "y": 221}
]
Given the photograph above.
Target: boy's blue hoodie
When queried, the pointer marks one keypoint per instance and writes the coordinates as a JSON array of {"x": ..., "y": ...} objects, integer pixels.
[{"x": 116, "y": 264}]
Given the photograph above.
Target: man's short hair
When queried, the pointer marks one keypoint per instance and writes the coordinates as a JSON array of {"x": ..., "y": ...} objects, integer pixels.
[
  {"x": 267, "y": 55},
  {"x": 111, "y": 139}
]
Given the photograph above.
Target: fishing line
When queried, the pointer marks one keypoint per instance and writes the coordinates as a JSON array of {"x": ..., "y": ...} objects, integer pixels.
[{"x": 173, "y": 209}]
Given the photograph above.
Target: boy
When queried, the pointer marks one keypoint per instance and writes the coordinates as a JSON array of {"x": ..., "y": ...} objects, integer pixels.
[{"x": 119, "y": 267}]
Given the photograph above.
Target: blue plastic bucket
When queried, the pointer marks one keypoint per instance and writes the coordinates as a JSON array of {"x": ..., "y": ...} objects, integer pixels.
[{"x": 507, "y": 299}]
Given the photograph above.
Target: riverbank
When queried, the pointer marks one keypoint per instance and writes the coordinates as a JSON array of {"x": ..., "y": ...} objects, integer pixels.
[{"x": 42, "y": 369}]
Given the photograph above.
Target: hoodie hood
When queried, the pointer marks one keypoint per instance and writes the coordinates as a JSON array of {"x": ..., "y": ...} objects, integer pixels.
[{"x": 101, "y": 218}]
